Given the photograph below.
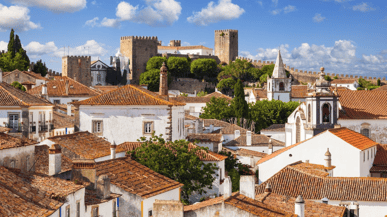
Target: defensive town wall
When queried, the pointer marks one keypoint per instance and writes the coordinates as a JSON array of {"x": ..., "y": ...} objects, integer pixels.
[
  {"x": 191, "y": 56},
  {"x": 190, "y": 85},
  {"x": 309, "y": 76}
]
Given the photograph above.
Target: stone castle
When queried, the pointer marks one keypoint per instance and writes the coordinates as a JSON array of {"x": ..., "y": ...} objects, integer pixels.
[
  {"x": 226, "y": 45},
  {"x": 78, "y": 68}
]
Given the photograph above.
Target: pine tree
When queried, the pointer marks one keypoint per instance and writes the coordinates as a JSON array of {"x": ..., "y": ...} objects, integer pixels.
[
  {"x": 239, "y": 104},
  {"x": 40, "y": 68},
  {"x": 11, "y": 43}
]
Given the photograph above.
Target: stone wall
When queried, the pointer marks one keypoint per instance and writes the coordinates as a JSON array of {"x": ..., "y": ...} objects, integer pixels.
[
  {"x": 139, "y": 50},
  {"x": 193, "y": 57},
  {"x": 190, "y": 85},
  {"x": 226, "y": 45},
  {"x": 77, "y": 68}
]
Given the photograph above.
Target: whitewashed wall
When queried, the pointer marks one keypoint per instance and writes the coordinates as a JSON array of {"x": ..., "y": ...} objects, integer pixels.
[
  {"x": 178, "y": 117},
  {"x": 65, "y": 100},
  {"x": 104, "y": 209},
  {"x": 72, "y": 201},
  {"x": 366, "y": 208},
  {"x": 173, "y": 194},
  {"x": 277, "y": 135},
  {"x": 19, "y": 154},
  {"x": 378, "y": 128}
]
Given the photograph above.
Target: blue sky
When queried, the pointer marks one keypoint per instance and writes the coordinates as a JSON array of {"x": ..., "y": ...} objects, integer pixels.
[{"x": 346, "y": 36}]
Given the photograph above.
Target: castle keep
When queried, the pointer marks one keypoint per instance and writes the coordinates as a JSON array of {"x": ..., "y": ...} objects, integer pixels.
[
  {"x": 139, "y": 50},
  {"x": 226, "y": 45},
  {"x": 78, "y": 68}
]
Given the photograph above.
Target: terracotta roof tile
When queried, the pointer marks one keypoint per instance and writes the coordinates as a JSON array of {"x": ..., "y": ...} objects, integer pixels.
[
  {"x": 294, "y": 181},
  {"x": 247, "y": 152},
  {"x": 312, "y": 209},
  {"x": 260, "y": 93},
  {"x": 42, "y": 160},
  {"x": 10, "y": 96},
  {"x": 187, "y": 99},
  {"x": 382, "y": 88},
  {"x": 105, "y": 89},
  {"x": 190, "y": 117},
  {"x": 57, "y": 87},
  {"x": 84, "y": 144},
  {"x": 230, "y": 129},
  {"x": 218, "y": 95},
  {"x": 135, "y": 178},
  {"x": 355, "y": 139},
  {"x": 92, "y": 198},
  {"x": 299, "y": 91},
  {"x": 363, "y": 104},
  {"x": 32, "y": 74},
  {"x": 7, "y": 142},
  {"x": 4, "y": 129},
  {"x": 275, "y": 127},
  {"x": 380, "y": 161},
  {"x": 343, "y": 81},
  {"x": 215, "y": 123},
  {"x": 63, "y": 120},
  {"x": 182, "y": 47},
  {"x": 27, "y": 83},
  {"x": 128, "y": 95},
  {"x": 256, "y": 140},
  {"x": 205, "y": 137},
  {"x": 210, "y": 202}
]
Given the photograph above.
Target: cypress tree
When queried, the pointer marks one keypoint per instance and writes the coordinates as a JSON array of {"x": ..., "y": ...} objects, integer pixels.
[
  {"x": 11, "y": 43},
  {"x": 239, "y": 104}
]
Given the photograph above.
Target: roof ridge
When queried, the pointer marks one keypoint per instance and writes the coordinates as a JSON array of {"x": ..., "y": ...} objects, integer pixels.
[
  {"x": 80, "y": 84},
  {"x": 13, "y": 96},
  {"x": 146, "y": 93}
]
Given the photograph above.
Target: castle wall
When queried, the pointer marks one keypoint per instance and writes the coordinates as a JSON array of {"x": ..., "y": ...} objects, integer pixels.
[
  {"x": 226, "y": 45},
  {"x": 190, "y": 85},
  {"x": 77, "y": 68},
  {"x": 191, "y": 56},
  {"x": 139, "y": 50}
]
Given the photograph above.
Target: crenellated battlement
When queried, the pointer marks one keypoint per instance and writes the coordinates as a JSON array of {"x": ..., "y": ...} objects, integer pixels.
[
  {"x": 139, "y": 38},
  {"x": 226, "y": 30},
  {"x": 78, "y": 57}
]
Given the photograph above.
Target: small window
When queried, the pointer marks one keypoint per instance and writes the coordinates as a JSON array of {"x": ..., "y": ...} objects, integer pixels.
[
  {"x": 365, "y": 132},
  {"x": 67, "y": 214},
  {"x": 150, "y": 213},
  {"x": 281, "y": 86},
  {"x": 364, "y": 156},
  {"x": 148, "y": 128},
  {"x": 95, "y": 211},
  {"x": 78, "y": 209},
  {"x": 114, "y": 209},
  {"x": 57, "y": 101},
  {"x": 97, "y": 127},
  {"x": 12, "y": 164}
]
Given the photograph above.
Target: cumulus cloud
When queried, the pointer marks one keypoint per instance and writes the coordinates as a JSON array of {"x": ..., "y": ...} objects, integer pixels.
[
  {"x": 16, "y": 17},
  {"x": 318, "y": 18},
  {"x": 114, "y": 23},
  {"x": 363, "y": 7},
  {"x": 90, "y": 48},
  {"x": 55, "y": 6},
  {"x": 3, "y": 45},
  {"x": 340, "y": 58},
  {"x": 35, "y": 49},
  {"x": 93, "y": 22},
  {"x": 126, "y": 11},
  {"x": 287, "y": 9},
  {"x": 213, "y": 13}
]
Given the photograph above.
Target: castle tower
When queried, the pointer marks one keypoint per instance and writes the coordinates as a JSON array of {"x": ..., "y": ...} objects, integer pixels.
[
  {"x": 279, "y": 86},
  {"x": 175, "y": 43},
  {"x": 139, "y": 50},
  {"x": 77, "y": 68},
  {"x": 226, "y": 45}
]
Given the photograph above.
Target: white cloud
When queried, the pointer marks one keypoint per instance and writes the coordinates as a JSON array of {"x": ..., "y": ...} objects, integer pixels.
[
  {"x": 260, "y": 3},
  {"x": 275, "y": 2},
  {"x": 55, "y": 5},
  {"x": 363, "y": 7},
  {"x": 224, "y": 10},
  {"x": 3, "y": 45},
  {"x": 16, "y": 17},
  {"x": 159, "y": 12},
  {"x": 92, "y": 22},
  {"x": 318, "y": 18},
  {"x": 114, "y": 23},
  {"x": 35, "y": 49},
  {"x": 289, "y": 8},
  {"x": 94, "y": 2},
  {"x": 339, "y": 58},
  {"x": 126, "y": 11},
  {"x": 90, "y": 48}
]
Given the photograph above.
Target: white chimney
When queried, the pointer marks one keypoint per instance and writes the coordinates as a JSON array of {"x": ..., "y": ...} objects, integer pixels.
[
  {"x": 248, "y": 138},
  {"x": 328, "y": 160},
  {"x": 252, "y": 161},
  {"x": 44, "y": 89},
  {"x": 237, "y": 134},
  {"x": 299, "y": 207},
  {"x": 247, "y": 186},
  {"x": 211, "y": 128},
  {"x": 69, "y": 109},
  {"x": 270, "y": 147},
  {"x": 227, "y": 187},
  {"x": 55, "y": 160},
  {"x": 113, "y": 150},
  {"x": 1, "y": 76}
]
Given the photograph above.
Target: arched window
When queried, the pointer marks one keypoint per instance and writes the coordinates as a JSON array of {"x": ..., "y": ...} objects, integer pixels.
[
  {"x": 365, "y": 132},
  {"x": 281, "y": 86},
  {"x": 309, "y": 114},
  {"x": 298, "y": 130},
  {"x": 326, "y": 112}
]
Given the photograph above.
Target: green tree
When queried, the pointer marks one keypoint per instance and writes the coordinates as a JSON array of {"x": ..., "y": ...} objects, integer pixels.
[
  {"x": 336, "y": 77},
  {"x": 201, "y": 93},
  {"x": 16, "y": 57},
  {"x": 178, "y": 66},
  {"x": 327, "y": 78},
  {"x": 226, "y": 85},
  {"x": 40, "y": 68},
  {"x": 217, "y": 108},
  {"x": 11, "y": 43},
  {"x": 378, "y": 82},
  {"x": 204, "y": 68},
  {"x": 155, "y": 63},
  {"x": 239, "y": 104},
  {"x": 178, "y": 161},
  {"x": 19, "y": 86},
  {"x": 240, "y": 69},
  {"x": 364, "y": 84},
  {"x": 152, "y": 79}
]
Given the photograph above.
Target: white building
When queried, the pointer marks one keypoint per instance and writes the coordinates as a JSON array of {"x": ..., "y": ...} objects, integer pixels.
[
  {"x": 131, "y": 112},
  {"x": 24, "y": 114},
  {"x": 275, "y": 131},
  {"x": 352, "y": 154},
  {"x": 198, "y": 50},
  {"x": 63, "y": 90},
  {"x": 99, "y": 72},
  {"x": 279, "y": 86},
  {"x": 350, "y": 83}
]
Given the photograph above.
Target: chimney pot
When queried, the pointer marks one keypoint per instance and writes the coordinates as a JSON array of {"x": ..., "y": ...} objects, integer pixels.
[
  {"x": 268, "y": 188},
  {"x": 248, "y": 138},
  {"x": 55, "y": 159},
  {"x": 163, "y": 81},
  {"x": 247, "y": 186},
  {"x": 328, "y": 158},
  {"x": 299, "y": 207},
  {"x": 325, "y": 200},
  {"x": 67, "y": 87},
  {"x": 113, "y": 151}
]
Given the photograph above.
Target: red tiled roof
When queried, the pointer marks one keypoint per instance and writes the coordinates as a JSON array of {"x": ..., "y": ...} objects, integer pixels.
[
  {"x": 247, "y": 152},
  {"x": 260, "y": 93},
  {"x": 363, "y": 104},
  {"x": 10, "y": 96},
  {"x": 357, "y": 140},
  {"x": 256, "y": 140},
  {"x": 190, "y": 117},
  {"x": 205, "y": 137},
  {"x": 299, "y": 91},
  {"x": 203, "y": 204},
  {"x": 380, "y": 161},
  {"x": 215, "y": 123},
  {"x": 7, "y": 142},
  {"x": 275, "y": 127},
  {"x": 61, "y": 120},
  {"x": 187, "y": 99},
  {"x": 382, "y": 88},
  {"x": 135, "y": 178},
  {"x": 28, "y": 82},
  {"x": 105, "y": 89},
  {"x": 294, "y": 181},
  {"x": 128, "y": 95},
  {"x": 182, "y": 47},
  {"x": 92, "y": 197},
  {"x": 57, "y": 87},
  {"x": 218, "y": 95},
  {"x": 42, "y": 160},
  {"x": 4, "y": 129},
  {"x": 343, "y": 81}
]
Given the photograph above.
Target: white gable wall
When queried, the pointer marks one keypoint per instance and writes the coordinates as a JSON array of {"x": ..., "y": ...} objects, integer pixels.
[
  {"x": 345, "y": 157},
  {"x": 378, "y": 127}
]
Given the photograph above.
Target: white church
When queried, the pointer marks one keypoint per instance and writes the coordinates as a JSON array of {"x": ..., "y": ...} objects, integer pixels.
[{"x": 279, "y": 86}]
